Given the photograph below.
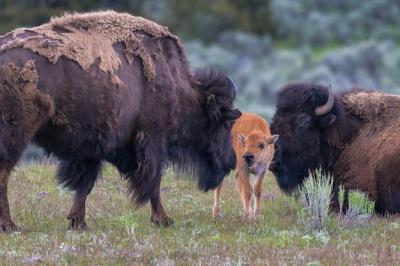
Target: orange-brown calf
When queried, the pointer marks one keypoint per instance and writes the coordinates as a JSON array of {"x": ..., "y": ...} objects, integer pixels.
[{"x": 254, "y": 149}]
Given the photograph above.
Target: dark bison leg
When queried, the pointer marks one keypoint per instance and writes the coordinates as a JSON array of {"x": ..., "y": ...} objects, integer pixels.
[
  {"x": 6, "y": 223},
  {"x": 158, "y": 215},
  {"x": 79, "y": 176},
  {"x": 144, "y": 180}
]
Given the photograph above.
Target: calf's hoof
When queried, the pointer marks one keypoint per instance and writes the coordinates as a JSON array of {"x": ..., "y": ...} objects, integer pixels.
[
  {"x": 8, "y": 226},
  {"x": 76, "y": 223},
  {"x": 161, "y": 220},
  {"x": 216, "y": 212},
  {"x": 248, "y": 216}
]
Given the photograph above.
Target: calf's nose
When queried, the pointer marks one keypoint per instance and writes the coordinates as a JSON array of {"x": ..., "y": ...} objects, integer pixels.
[{"x": 249, "y": 158}]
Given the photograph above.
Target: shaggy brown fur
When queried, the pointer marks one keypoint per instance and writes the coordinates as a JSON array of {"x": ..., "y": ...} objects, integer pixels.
[
  {"x": 97, "y": 103},
  {"x": 358, "y": 165},
  {"x": 23, "y": 110},
  {"x": 254, "y": 149},
  {"x": 85, "y": 37},
  {"x": 357, "y": 141}
]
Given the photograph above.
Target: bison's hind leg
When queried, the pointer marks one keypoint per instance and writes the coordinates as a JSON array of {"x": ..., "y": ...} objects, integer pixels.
[
  {"x": 23, "y": 110},
  {"x": 80, "y": 176}
]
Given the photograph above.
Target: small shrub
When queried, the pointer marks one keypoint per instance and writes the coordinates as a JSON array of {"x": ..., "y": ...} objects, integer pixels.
[
  {"x": 316, "y": 196},
  {"x": 360, "y": 211}
]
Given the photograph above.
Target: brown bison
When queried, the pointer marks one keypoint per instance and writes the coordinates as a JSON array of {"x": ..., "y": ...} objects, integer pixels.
[
  {"x": 109, "y": 86},
  {"x": 353, "y": 135},
  {"x": 254, "y": 149}
]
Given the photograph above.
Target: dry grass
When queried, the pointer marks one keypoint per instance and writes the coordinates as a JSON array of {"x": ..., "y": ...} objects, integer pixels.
[{"x": 119, "y": 235}]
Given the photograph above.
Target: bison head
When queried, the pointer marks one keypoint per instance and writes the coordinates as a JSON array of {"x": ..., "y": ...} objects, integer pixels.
[
  {"x": 304, "y": 112},
  {"x": 217, "y": 93}
]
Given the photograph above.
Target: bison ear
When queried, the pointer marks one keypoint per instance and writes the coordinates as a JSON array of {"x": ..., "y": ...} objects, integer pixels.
[
  {"x": 232, "y": 115},
  {"x": 326, "y": 120},
  {"x": 242, "y": 138},
  {"x": 273, "y": 139},
  {"x": 212, "y": 108}
]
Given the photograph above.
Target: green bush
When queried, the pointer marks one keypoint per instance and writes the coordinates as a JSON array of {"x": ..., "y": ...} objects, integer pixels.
[
  {"x": 315, "y": 197},
  {"x": 360, "y": 209}
]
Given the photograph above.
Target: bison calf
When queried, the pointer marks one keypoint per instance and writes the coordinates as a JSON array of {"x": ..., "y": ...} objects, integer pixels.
[{"x": 254, "y": 149}]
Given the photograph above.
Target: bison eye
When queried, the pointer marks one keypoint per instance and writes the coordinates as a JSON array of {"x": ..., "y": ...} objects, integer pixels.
[
  {"x": 303, "y": 120},
  {"x": 261, "y": 145}
]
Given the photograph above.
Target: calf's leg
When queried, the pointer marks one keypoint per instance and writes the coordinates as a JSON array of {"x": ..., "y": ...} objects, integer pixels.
[
  {"x": 216, "y": 212},
  {"x": 245, "y": 190},
  {"x": 257, "y": 188}
]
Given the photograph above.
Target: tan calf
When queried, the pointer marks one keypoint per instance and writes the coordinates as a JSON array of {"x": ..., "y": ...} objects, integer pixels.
[{"x": 254, "y": 149}]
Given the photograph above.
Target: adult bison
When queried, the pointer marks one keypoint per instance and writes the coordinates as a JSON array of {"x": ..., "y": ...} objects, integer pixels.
[
  {"x": 108, "y": 86},
  {"x": 353, "y": 135}
]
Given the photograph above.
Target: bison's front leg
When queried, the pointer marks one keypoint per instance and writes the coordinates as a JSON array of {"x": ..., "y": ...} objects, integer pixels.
[
  {"x": 144, "y": 181},
  {"x": 6, "y": 223},
  {"x": 158, "y": 215},
  {"x": 76, "y": 215}
]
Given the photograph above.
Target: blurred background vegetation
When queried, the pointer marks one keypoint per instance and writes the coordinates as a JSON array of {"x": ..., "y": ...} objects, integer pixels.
[{"x": 262, "y": 44}]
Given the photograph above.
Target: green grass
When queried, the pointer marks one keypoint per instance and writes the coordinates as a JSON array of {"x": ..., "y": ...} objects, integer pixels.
[{"x": 120, "y": 234}]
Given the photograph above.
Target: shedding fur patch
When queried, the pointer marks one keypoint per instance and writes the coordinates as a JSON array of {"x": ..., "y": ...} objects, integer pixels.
[
  {"x": 85, "y": 37},
  {"x": 372, "y": 105},
  {"x": 24, "y": 108}
]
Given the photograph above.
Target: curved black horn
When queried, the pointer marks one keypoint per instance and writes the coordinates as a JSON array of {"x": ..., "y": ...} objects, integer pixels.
[
  {"x": 232, "y": 84},
  {"x": 327, "y": 107}
]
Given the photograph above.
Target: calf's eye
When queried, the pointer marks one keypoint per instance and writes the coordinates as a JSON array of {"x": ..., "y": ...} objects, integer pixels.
[{"x": 261, "y": 145}]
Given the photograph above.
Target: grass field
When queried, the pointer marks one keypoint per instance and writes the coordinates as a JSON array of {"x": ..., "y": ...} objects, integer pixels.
[{"x": 119, "y": 234}]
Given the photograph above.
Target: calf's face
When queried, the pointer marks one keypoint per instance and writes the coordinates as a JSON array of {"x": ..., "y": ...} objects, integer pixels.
[{"x": 258, "y": 150}]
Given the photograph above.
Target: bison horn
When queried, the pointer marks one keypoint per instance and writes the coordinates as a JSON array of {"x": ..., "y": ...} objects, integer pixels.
[
  {"x": 327, "y": 107},
  {"x": 232, "y": 83}
]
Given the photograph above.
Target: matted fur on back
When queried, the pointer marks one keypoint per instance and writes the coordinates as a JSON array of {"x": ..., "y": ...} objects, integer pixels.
[{"x": 76, "y": 36}]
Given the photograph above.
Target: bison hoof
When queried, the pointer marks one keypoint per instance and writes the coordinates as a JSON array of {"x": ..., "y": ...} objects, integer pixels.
[
  {"x": 77, "y": 223},
  {"x": 162, "y": 220},
  {"x": 8, "y": 226}
]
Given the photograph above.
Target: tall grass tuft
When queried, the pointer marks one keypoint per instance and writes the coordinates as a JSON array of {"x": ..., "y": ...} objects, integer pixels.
[{"x": 315, "y": 197}]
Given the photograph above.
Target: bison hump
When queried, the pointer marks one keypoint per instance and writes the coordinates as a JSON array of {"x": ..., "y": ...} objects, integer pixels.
[
  {"x": 84, "y": 37},
  {"x": 372, "y": 105}
]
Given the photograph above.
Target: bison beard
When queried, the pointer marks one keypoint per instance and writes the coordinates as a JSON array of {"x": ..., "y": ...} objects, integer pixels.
[
  {"x": 355, "y": 138},
  {"x": 139, "y": 115}
]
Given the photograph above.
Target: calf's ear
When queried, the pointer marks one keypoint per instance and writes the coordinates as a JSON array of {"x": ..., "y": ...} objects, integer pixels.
[
  {"x": 326, "y": 120},
  {"x": 242, "y": 138},
  {"x": 273, "y": 139}
]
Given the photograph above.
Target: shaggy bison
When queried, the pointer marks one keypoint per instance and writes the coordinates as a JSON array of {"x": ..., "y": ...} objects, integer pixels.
[
  {"x": 109, "y": 86},
  {"x": 353, "y": 135},
  {"x": 254, "y": 149}
]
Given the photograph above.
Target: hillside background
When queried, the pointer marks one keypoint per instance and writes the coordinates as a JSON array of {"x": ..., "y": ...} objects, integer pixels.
[{"x": 263, "y": 44}]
